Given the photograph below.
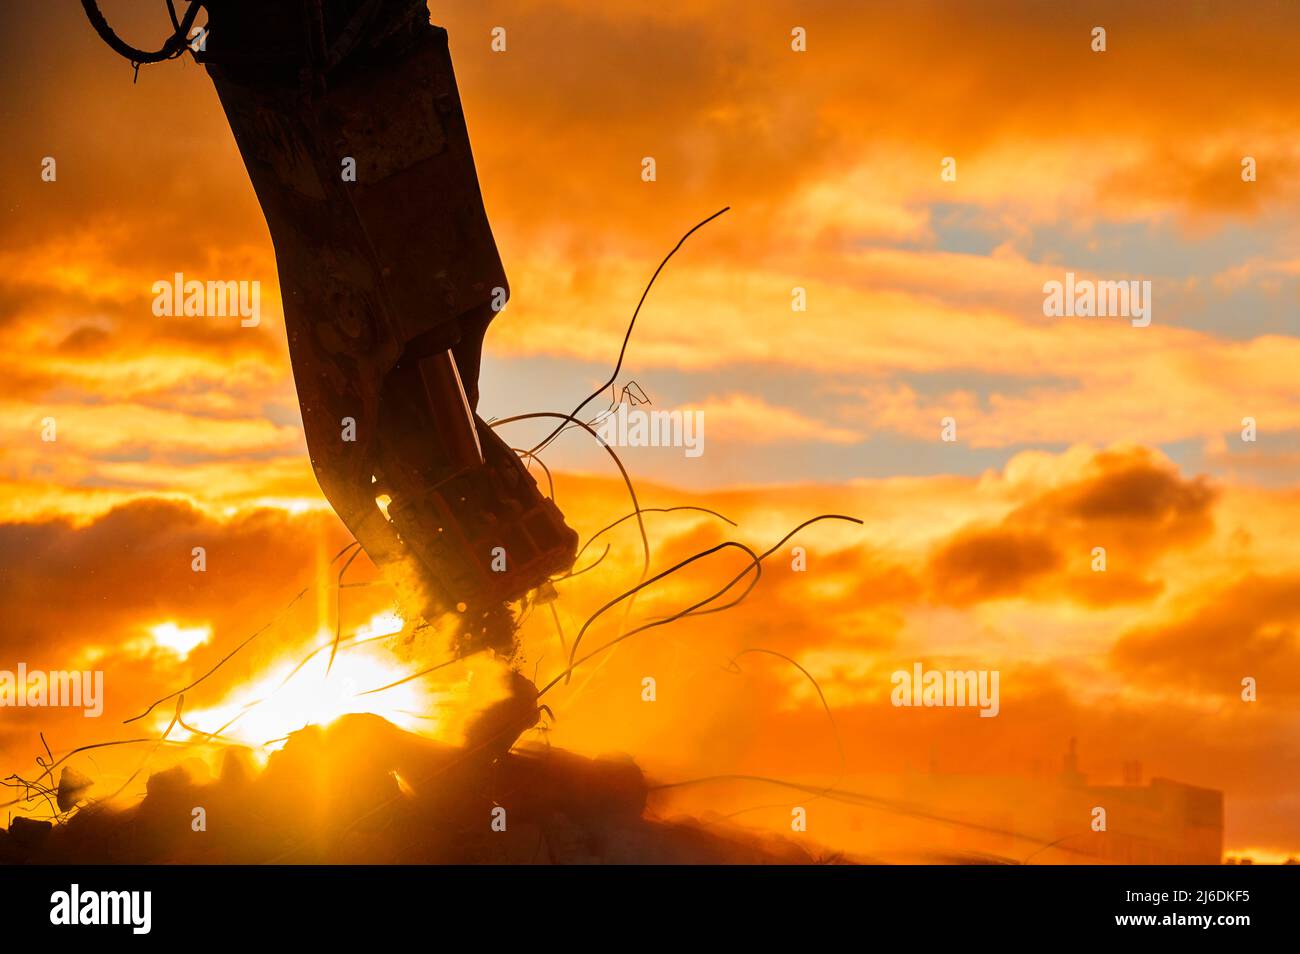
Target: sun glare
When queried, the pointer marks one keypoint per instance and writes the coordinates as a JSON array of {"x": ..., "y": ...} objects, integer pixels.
[
  {"x": 295, "y": 693},
  {"x": 180, "y": 640}
]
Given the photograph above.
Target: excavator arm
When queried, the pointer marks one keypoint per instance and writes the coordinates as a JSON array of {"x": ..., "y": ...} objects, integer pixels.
[{"x": 349, "y": 122}]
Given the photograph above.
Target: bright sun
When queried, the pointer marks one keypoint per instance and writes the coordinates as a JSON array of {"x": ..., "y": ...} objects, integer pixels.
[
  {"x": 178, "y": 639},
  {"x": 296, "y": 693}
]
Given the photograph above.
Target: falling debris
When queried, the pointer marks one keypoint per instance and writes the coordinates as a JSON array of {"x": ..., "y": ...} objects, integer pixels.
[{"x": 73, "y": 786}]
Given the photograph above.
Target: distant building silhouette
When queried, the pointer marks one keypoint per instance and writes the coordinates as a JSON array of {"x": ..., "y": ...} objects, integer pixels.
[{"x": 1160, "y": 822}]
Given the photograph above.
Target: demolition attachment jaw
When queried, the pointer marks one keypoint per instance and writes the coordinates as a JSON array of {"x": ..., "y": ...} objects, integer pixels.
[{"x": 470, "y": 515}]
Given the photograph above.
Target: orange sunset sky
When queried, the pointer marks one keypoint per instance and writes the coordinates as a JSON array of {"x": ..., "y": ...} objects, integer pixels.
[{"x": 924, "y": 301}]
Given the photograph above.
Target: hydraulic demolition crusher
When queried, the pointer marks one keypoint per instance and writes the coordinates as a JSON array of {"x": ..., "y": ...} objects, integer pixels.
[{"x": 348, "y": 118}]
